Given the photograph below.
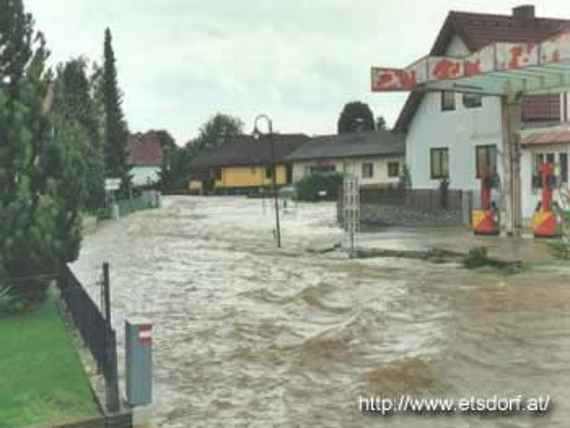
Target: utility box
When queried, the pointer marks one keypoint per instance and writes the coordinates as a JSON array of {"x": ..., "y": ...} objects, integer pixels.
[
  {"x": 138, "y": 342},
  {"x": 115, "y": 212}
]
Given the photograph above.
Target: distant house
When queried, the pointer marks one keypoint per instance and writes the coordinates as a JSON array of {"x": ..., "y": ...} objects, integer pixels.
[
  {"x": 145, "y": 158},
  {"x": 376, "y": 158},
  {"x": 244, "y": 163}
]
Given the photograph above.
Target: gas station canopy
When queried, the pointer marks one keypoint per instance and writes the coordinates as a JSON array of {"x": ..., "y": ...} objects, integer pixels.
[{"x": 497, "y": 69}]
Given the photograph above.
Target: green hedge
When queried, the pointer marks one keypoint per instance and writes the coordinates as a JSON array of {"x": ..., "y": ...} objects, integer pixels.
[{"x": 308, "y": 187}]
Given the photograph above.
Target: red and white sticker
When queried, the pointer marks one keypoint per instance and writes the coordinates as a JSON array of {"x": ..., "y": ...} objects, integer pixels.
[{"x": 145, "y": 334}]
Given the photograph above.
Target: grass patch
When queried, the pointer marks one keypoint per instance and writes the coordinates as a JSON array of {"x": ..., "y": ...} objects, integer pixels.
[{"x": 42, "y": 378}]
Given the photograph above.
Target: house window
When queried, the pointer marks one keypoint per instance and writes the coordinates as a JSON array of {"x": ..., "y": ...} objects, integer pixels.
[
  {"x": 447, "y": 101},
  {"x": 367, "y": 170},
  {"x": 218, "y": 174},
  {"x": 540, "y": 158},
  {"x": 439, "y": 163},
  {"x": 472, "y": 100},
  {"x": 268, "y": 172},
  {"x": 486, "y": 160},
  {"x": 319, "y": 169},
  {"x": 393, "y": 169}
]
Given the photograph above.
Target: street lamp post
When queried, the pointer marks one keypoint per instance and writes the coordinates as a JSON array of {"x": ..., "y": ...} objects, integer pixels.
[{"x": 273, "y": 171}]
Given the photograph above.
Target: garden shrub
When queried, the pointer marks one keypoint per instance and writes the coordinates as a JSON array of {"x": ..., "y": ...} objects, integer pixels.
[
  {"x": 309, "y": 186},
  {"x": 10, "y": 302}
]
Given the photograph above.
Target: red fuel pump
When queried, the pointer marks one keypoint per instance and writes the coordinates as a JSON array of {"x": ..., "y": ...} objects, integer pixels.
[
  {"x": 544, "y": 220},
  {"x": 486, "y": 220}
]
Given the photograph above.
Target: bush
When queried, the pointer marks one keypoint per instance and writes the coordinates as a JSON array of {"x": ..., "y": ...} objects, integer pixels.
[
  {"x": 477, "y": 257},
  {"x": 10, "y": 302},
  {"x": 308, "y": 187},
  {"x": 560, "y": 249}
]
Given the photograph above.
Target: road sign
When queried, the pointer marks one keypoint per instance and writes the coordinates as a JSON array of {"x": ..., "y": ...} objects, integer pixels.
[{"x": 112, "y": 184}]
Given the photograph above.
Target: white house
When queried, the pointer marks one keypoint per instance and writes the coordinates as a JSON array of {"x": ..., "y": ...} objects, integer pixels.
[
  {"x": 145, "y": 158},
  {"x": 457, "y": 136},
  {"x": 376, "y": 158}
]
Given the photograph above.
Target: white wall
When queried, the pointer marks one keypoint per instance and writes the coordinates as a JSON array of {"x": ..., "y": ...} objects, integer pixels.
[
  {"x": 531, "y": 196},
  {"x": 354, "y": 166},
  {"x": 142, "y": 175},
  {"x": 460, "y": 130}
]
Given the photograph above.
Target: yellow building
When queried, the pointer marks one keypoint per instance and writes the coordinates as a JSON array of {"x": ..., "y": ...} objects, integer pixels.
[{"x": 245, "y": 163}]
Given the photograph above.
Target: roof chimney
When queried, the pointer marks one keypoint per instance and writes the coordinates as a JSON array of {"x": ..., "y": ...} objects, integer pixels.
[{"x": 524, "y": 12}]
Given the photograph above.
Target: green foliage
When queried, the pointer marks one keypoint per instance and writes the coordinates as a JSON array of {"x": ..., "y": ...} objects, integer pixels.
[
  {"x": 175, "y": 168},
  {"x": 355, "y": 116},
  {"x": 560, "y": 249},
  {"x": 215, "y": 132},
  {"x": 174, "y": 171},
  {"x": 41, "y": 167},
  {"x": 380, "y": 123},
  {"x": 166, "y": 140},
  {"x": 115, "y": 126},
  {"x": 309, "y": 186},
  {"x": 10, "y": 302},
  {"x": 476, "y": 257},
  {"x": 75, "y": 103}
]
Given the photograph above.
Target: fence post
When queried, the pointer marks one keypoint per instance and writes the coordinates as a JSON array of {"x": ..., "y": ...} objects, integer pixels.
[
  {"x": 111, "y": 372},
  {"x": 107, "y": 294}
]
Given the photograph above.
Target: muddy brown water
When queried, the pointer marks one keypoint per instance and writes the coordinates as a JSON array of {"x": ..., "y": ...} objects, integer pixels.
[{"x": 249, "y": 336}]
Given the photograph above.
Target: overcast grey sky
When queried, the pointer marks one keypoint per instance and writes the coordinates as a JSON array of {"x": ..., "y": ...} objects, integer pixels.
[{"x": 299, "y": 61}]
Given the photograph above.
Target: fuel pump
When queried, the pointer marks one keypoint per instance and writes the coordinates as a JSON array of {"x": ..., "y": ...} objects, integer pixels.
[
  {"x": 486, "y": 220},
  {"x": 544, "y": 221}
]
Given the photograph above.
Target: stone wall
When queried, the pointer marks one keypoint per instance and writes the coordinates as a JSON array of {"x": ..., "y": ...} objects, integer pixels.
[
  {"x": 384, "y": 215},
  {"x": 393, "y": 207}
]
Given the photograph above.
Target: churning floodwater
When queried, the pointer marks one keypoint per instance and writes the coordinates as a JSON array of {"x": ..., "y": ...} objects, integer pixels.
[{"x": 246, "y": 335}]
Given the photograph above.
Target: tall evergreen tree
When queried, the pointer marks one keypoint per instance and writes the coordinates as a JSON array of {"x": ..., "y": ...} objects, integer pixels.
[
  {"x": 116, "y": 130},
  {"x": 75, "y": 103},
  {"x": 40, "y": 224}
]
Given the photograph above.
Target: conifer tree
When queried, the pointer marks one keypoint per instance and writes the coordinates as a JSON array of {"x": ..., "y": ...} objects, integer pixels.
[
  {"x": 75, "y": 103},
  {"x": 116, "y": 131},
  {"x": 40, "y": 225}
]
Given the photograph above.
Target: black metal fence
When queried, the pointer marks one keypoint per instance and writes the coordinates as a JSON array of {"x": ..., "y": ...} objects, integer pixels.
[{"x": 95, "y": 330}]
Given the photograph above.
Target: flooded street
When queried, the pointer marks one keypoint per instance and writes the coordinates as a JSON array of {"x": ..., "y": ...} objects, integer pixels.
[{"x": 246, "y": 335}]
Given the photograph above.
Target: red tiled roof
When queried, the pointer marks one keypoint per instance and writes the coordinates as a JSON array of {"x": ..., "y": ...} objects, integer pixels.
[
  {"x": 547, "y": 137},
  {"x": 477, "y": 30},
  {"x": 145, "y": 149}
]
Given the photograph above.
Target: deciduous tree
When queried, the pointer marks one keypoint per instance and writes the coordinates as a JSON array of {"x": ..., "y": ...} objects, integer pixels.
[
  {"x": 355, "y": 116},
  {"x": 215, "y": 132}
]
